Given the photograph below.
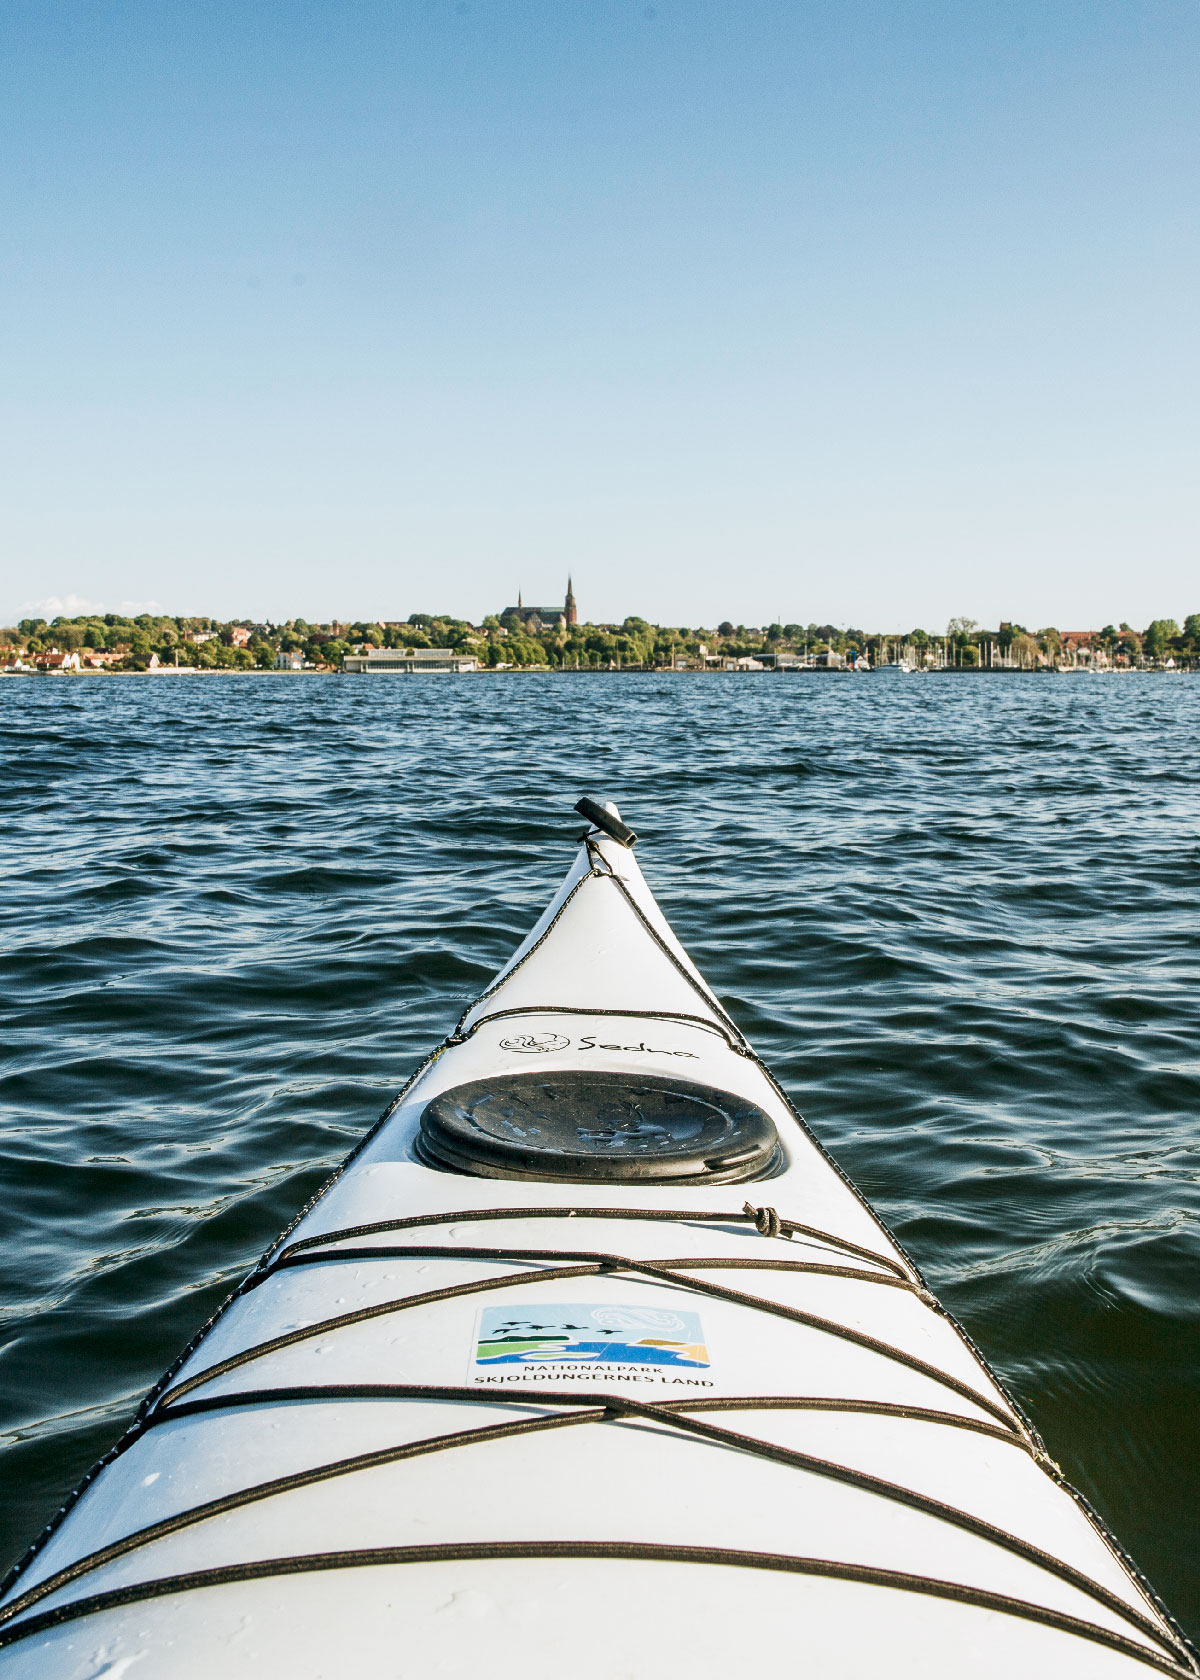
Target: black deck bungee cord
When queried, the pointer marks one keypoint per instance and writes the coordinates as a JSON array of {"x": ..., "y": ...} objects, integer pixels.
[
  {"x": 701, "y": 1262},
  {"x": 774, "y": 1223},
  {"x": 588, "y": 1265},
  {"x": 598, "y": 1409},
  {"x": 763, "y": 1219},
  {"x": 598, "y": 867},
  {"x": 342, "y": 1392},
  {"x": 623, "y": 1551},
  {"x": 713, "y": 1027},
  {"x": 162, "y": 1405}
]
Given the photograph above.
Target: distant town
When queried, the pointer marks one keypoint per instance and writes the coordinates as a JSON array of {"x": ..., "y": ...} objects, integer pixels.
[{"x": 523, "y": 638}]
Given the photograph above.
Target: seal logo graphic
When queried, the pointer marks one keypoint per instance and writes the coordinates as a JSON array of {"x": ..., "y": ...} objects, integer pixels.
[{"x": 535, "y": 1043}]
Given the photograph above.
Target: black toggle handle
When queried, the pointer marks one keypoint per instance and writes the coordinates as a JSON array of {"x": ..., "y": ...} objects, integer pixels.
[{"x": 604, "y": 820}]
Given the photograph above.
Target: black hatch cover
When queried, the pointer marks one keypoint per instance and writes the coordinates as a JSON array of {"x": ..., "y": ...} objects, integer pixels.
[{"x": 584, "y": 1127}]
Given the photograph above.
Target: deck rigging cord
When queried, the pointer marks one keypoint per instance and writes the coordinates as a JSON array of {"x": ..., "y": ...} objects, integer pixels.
[
  {"x": 628, "y": 1551},
  {"x": 16, "y": 1623},
  {"x": 173, "y": 1399},
  {"x": 591, "y": 1408},
  {"x": 586, "y": 1265}
]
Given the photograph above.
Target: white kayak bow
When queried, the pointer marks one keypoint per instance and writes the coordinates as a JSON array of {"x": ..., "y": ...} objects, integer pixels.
[{"x": 532, "y": 1387}]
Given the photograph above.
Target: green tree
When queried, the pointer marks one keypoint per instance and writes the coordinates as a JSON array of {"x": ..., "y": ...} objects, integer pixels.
[{"x": 1160, "y": 632}]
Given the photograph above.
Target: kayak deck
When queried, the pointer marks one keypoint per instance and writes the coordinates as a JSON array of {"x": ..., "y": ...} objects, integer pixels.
[{"x": 623, "y": 1420}]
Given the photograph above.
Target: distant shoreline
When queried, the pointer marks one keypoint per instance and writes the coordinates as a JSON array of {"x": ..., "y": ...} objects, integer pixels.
[
  {"x": 554, "y": 638},
  {"x": 844, "y": 673}
]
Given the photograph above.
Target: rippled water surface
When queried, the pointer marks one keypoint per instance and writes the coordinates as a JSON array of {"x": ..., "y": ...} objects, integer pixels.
[{"x": 958, "y": 915}]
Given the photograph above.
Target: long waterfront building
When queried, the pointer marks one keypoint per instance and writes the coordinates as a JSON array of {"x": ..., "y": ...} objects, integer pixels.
[{"x": 407, "y": 661}]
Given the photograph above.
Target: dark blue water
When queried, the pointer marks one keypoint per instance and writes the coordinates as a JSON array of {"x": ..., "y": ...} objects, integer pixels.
[{"x": 958, "y": 916}]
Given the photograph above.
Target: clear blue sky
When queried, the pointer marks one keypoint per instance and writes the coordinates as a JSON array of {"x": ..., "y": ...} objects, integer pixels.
[{"x": 871, "y": 313}]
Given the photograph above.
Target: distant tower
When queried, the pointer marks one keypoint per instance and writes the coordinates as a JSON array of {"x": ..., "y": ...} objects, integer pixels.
[
  {"x": 518, "y": 600},
  {"x": 571, "y": 615}
]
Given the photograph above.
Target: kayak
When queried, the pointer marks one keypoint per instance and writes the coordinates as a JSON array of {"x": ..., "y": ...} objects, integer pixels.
[{"x": 588, "y": 1361}]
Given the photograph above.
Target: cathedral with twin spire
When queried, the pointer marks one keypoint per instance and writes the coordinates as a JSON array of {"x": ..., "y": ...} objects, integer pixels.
[{"x": 534, "y": 619}]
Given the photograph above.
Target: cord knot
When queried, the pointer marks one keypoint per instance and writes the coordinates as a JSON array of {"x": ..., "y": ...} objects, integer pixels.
[{"x": 766, "y": 1221}]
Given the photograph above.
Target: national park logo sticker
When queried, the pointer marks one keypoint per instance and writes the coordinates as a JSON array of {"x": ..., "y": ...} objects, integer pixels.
[{"x": 590, "y": 1342}]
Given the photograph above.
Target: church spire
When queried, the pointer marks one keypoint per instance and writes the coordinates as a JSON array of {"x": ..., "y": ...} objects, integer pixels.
[{"x": 569, "y": 605}]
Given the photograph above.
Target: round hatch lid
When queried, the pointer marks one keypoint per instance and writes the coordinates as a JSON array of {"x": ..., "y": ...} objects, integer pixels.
[{"x": 581, "y": 1127}]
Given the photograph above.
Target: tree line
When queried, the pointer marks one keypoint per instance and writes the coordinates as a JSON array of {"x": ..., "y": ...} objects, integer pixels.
[{"x": 240, "y": 644}]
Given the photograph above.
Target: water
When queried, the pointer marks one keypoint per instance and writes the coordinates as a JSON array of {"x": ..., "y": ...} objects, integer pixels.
[{"x": 958, "y": 916}]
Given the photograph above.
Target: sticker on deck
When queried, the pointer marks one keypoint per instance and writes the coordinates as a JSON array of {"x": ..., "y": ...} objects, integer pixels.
[{"x": 590, "y": 1342}]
